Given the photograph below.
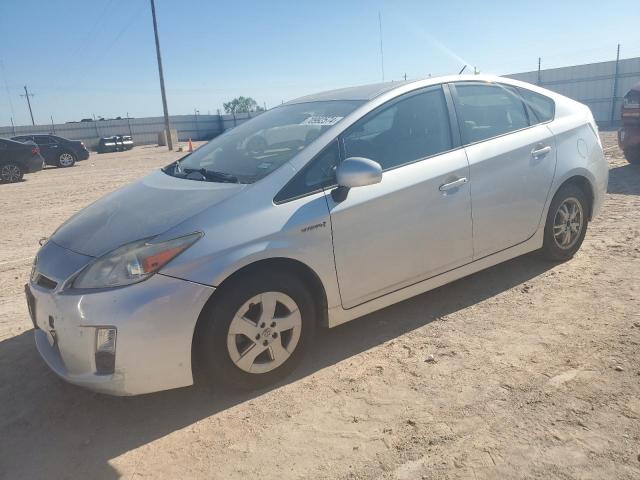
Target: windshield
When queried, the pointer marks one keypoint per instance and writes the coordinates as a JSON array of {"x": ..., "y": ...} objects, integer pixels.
[{"x": 256, "y": 148}]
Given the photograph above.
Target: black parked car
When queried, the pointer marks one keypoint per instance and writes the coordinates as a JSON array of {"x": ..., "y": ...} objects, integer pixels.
[
  {"x": 57, "y": 151},
  {"x": 16, "y": 159},
  {"x": 116, "y": 143}
]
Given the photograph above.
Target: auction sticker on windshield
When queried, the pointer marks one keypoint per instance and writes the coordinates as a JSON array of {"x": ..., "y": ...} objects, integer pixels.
[{"x": 321, "y": 120}]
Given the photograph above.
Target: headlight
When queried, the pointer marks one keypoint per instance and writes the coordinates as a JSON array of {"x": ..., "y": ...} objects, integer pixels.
[{"x": 132, "y": 263}]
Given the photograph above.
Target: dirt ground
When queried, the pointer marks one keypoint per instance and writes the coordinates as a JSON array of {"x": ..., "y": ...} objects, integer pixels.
[{"x": 535, "y": 370}]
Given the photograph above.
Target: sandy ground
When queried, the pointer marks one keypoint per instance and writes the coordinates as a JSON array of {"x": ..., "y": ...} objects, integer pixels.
[{"x": 536, "y": 371}]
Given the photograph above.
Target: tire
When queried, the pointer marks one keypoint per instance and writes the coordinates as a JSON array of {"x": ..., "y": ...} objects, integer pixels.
[
  {"x": 66, "y": 159},
  {"x": 562, "y": 220},
  {"x": 11, "y": 173},
  {"x": 259, "y": 351},
  {"x": 632, "y": 154}
]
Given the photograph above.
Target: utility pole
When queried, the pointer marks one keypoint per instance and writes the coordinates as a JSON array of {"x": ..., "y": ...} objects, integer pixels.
[
  {"x": 195, "y": 112},
  {"x": 129, "y": 124},
  {"x": 13, "y": 127},
  {"x": 539, "y": 65},
  {"x": 164, "y": 95},
  {"x": 615, "y": 88},
  {"x": 405, "y": 77},
  {"x": 27, "y": 95},
  {"x": 53, "y": 127},
  {"x": 381, "y": 51}
]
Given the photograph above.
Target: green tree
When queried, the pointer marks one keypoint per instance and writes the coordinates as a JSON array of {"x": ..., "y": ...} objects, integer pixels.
[{"x": 242, "y": 105}]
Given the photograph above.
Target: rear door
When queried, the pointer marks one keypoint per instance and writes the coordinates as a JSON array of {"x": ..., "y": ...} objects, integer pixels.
[
  {"x": 512, "y": 160},
  {"x": 414, "y": 224},
  {"x": 49, "y": 148}
]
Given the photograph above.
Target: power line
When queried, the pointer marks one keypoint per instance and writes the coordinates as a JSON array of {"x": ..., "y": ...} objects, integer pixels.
[
  {"x": 6, "y": 86},
  {"x": 381, "y": 51}
]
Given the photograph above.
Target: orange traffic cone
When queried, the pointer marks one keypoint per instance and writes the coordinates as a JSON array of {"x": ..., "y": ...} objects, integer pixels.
[{"x": 190, "y": 146}]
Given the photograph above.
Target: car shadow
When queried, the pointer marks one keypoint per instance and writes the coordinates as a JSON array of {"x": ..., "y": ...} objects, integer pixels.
[
  {"x": 47, "y": 425},
  {"x": 624, "y": 180}
]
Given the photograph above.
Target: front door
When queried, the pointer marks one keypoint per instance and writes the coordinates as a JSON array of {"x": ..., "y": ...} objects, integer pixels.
[{"x": 416, "y": 222}]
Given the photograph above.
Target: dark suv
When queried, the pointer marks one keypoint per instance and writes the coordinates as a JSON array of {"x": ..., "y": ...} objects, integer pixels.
[
  {"x": 629, "y": 134},
  {"x": 57, "y": 151}
]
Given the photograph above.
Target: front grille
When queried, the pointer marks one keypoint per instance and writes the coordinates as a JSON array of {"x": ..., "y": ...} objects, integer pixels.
[{"x": 45, "y": 282}]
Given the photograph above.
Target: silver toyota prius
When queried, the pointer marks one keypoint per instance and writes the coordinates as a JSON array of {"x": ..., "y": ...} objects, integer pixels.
[{"x": 314, "y": 213}]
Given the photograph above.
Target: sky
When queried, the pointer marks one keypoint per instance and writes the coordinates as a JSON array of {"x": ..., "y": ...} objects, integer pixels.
[{"x": 97, "y": 57}]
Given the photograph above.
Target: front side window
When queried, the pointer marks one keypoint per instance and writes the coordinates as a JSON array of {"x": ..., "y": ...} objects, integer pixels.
[
  {"x": 488, "y": 110},
  {"x": 541, "y": 108},
  {"x": 319, "y": 173},
  {"x": 254, "y": 149},
  {"x": 405, "y": 131}
]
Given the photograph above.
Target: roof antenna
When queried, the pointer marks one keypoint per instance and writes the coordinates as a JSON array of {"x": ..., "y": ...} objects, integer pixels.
[
  {"x": 463, "y": 68},
  {"x": 381, "y": 51}
]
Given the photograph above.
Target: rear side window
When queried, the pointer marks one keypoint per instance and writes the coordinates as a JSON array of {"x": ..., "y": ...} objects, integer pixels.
[
  {"x": 488, "y": 111},
  {"x": 317, "y": 174},
  {"x": 44, "y": 140},
  {"x": 540, "y": 106},
  {"x": 413, "y": 128}
]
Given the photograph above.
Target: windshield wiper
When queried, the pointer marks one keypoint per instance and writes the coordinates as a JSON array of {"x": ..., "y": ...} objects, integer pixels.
[{"x": 213, "y": 175}]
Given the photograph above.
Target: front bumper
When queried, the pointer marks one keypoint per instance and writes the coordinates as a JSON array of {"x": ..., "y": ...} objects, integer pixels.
[
  {"x": 155, "y": 321},
  {"x": 82, "y": 155}
]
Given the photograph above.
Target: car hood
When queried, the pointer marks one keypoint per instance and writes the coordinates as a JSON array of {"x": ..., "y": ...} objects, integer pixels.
[{"x": 143, "y": 209}]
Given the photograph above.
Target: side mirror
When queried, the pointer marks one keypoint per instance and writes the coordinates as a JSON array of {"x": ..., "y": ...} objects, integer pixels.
[{"x": 358, "y": 172}]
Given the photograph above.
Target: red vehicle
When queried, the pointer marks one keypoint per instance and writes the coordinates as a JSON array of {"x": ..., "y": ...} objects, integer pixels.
[{"x": 629, "y": 134}]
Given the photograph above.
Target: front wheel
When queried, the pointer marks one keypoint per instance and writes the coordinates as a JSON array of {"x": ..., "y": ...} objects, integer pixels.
[
  {"x": 256, "y": 331},
  {"x": 66, "y": 159},
  {"x": 566, "y": 225},
  {"x": 11, "y": 173}
]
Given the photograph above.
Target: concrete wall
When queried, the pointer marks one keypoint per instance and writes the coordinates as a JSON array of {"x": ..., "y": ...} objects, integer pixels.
[
  {"x": 591, "y": 84},
  {"x": 143, "y": 130}
]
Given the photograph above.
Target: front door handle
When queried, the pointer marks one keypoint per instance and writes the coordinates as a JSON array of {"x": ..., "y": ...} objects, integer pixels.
[
  {"x": 540, "y": 152},
  {"x": 455, "y": 184}
]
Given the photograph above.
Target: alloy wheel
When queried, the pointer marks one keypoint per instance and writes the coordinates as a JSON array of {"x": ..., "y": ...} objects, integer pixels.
[
  {"x": 10, "y": 173},
  {"x": 66, "y": 160},
  {"x": 264, "y": 332},
  {"x": 568, "y": 223}
]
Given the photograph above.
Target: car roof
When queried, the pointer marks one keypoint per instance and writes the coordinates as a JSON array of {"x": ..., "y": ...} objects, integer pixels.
[
  {"x": 371, "y": 91},
  {"x": 360, "y": 92}
]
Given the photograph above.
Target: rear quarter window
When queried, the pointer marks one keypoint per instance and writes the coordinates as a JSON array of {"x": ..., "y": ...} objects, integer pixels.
[{"x": 542, "y": 108}]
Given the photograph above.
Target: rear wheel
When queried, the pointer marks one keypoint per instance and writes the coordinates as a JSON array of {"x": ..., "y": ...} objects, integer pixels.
[
  {"x": 632, "y": 154},
  {"x": 255, "y": 331},
  {"x": 566, "y": 225},
  {"x": 11, "y": 173},
  {"x": 66, "y": 159}
]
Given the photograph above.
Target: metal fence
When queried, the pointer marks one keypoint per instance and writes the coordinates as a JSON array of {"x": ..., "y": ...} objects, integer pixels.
[
  {"x": 601, "y": 86},
  {"x": 143, "y": 130}
]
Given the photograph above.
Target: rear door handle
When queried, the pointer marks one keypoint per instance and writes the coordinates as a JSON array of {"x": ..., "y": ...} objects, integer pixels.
[
  {"x": 540, "y": 152},
  {"x": 455, "y": 184}
]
